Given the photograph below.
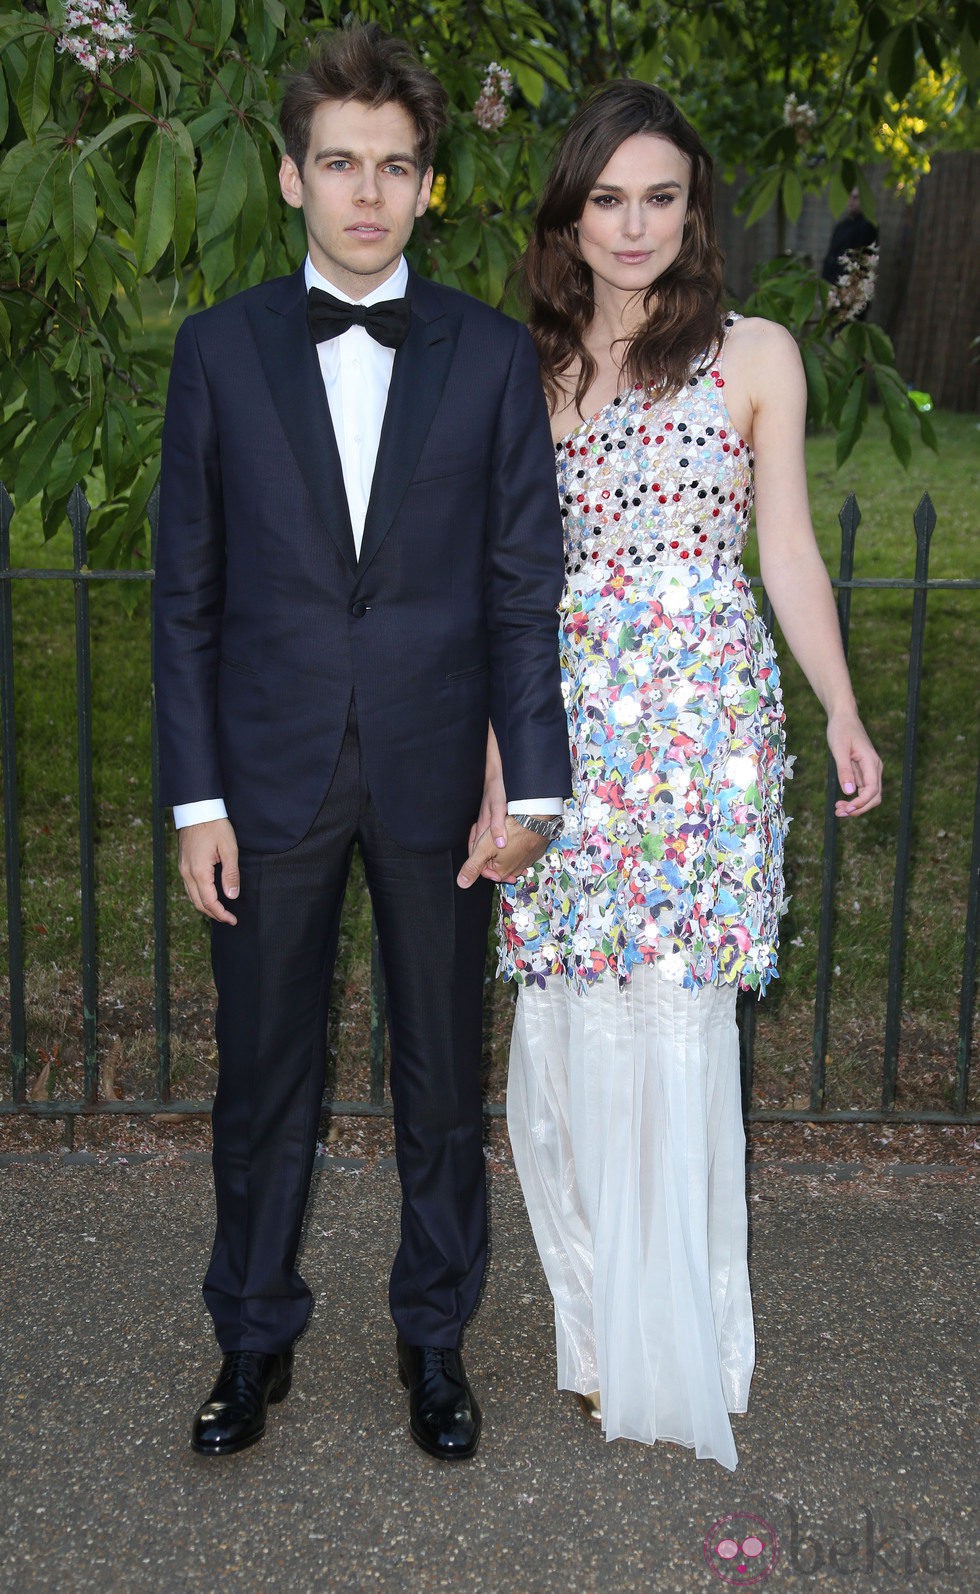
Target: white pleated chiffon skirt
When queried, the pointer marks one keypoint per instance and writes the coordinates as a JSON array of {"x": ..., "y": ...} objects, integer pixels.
[{"x": 625, "y": 1119}]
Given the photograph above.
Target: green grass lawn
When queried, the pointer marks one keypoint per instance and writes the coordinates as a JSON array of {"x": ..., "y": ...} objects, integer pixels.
[{"x": 44, "y": 700}]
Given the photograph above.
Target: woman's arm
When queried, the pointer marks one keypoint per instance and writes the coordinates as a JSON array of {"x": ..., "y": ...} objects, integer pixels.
[{"x": 766, "y": 392}]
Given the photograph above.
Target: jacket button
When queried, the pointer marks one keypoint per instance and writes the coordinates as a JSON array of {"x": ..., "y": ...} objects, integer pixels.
[{"x": 359, "y": 609}]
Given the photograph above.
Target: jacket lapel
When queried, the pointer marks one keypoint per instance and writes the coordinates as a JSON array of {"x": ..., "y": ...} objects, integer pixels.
[
  {"x": 293, "y": 373},
  {"x": 417, "y": 380}
]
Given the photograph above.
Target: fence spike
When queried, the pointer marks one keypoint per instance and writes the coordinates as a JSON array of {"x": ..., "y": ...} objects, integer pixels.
[{"x": 924, "y": 521}]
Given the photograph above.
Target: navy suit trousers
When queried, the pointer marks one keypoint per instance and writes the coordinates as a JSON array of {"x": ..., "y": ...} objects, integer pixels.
[{"x": 273, "y": 973}]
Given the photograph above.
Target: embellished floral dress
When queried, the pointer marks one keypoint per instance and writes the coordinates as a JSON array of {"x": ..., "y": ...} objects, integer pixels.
[
  {"x": 672, "y": 852},
  {"x": 631, "y": 934}
]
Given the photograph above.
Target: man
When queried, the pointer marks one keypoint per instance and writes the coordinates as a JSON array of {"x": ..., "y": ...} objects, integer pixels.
[
  {"x": 854, "y": 233},
  {"x": 359, "y": 563}
]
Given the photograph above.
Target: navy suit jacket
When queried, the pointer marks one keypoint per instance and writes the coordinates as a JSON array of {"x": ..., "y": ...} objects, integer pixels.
[{"x": 266, "y": 624}]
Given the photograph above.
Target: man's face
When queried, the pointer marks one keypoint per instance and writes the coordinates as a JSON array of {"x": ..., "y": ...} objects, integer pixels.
[{"x": 360, "y": 191}]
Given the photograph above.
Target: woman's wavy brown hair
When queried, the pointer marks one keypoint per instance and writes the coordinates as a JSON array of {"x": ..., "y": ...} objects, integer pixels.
[{"x": 683, "y": 306}]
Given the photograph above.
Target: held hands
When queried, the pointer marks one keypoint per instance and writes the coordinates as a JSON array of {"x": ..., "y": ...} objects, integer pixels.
[
  {"x": 200, "y": 850},
  {"x": 858, "y": 765},
  {"x": 500, "y": 854}
]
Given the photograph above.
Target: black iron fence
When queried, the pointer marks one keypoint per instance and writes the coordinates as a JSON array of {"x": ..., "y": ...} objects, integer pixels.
[{"x": 81, "y": 577}]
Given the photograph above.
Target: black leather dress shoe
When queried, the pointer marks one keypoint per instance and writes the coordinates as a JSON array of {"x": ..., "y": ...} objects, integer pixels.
[
  {"x": 445, "y": 1418},
  {"x": 233, "y": 1416}
]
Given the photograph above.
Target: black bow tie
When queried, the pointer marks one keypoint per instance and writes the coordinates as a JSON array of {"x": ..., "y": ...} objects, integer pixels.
[{"x": 328, "y": 317}]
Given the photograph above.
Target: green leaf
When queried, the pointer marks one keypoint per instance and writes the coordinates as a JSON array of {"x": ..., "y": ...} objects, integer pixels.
[
  {"x": 4, "y": 330},
  {"x": 497, "y": 266},
  {"x": 816, "y": 383},
  {"x": 185, "y": 193},
  {"x": 115, "y": 205},
  {"x": 57, "y": 269},
  {"x": 927, "y": 431},
  {"x": 156, "y": 201},
  {"x": 765, "y": 189},
  {"x": 13, "y": 164},
  {"x": 98, "y": 281},
  {"x": 852, "y": 416},
  {"x": 134, "y": 518},
  {"x": 34, "y": 93},
  {"x": 4, "y": 106},
  {"x": 276, "y": 12},
  {"x": 218, "y": 261},
  {"x": 931, "y": 42},
  {"x": 530, "y": 83},
  {"x": 881, "y": 344},
  {"x": 119, "y": 264},
  {"x": 898, "y": 419},
  {"x": 901, "y": 61},
  {"x": 223, "y": 20},
  {"x": 804, "y": 303},
  {"x": 74, "y": 211},
  {"x": 549, "y": 63},
  {"x": 69, "y": 356},
  {"x": 34, "y": 459},
  {"x": 464, "y": 164},
  {"x": 792, "y": 195},
  {"x": 117, "y": 125},
  {"x": 221, "y": 185},
  {"x": 40, "y": 390},
  {"x": 110, "y": 446},
  {"x": 31, "y": 192},
  {"x": 201, "y": 127},
  {"x": 91, "y": 382},
  {"x": 868, "y": 201},
  {"x": 255, "y": 208},
  {"x": 68, "y": 465},
  {"x": 837, "y": 193},
  {"x": 465, "y": 240}
]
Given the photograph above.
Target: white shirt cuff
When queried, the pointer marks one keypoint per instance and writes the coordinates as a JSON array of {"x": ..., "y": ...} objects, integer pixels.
[
  {"x": 199, "y": 813},
  {"x": 536, "y": 805}
]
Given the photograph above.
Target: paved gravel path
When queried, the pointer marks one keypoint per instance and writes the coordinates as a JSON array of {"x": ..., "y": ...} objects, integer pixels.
[{"x": 859, "y": 1450}]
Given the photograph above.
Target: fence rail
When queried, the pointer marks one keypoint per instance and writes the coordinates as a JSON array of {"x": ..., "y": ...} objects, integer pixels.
[{"x": 81, "y": 576}]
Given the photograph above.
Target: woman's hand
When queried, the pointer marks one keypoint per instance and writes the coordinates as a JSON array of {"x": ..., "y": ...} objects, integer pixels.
[
  {"x": 493, "y": 808},
  {"x": 858, "y": 765}
]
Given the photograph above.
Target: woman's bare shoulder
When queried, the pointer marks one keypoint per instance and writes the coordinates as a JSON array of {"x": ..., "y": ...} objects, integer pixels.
[{"x": 757, "y": 338}]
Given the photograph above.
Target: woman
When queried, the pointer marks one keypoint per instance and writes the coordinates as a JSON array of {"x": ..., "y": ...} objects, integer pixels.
[{"x": 663, "y": 893}]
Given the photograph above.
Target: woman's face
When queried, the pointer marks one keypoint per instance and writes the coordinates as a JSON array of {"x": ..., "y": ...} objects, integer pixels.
[{"x": 633, "y": 222}]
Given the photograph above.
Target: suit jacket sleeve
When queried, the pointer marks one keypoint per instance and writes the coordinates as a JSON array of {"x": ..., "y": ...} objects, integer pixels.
[
  {"x": 525, "y": 574},
  {"x": 190, "y": 583}
]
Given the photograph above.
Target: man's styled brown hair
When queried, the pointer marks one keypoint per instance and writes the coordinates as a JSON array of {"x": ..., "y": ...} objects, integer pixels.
[
  {"x": 361, "y": 62},
  {"x": 683, "y": 305}
]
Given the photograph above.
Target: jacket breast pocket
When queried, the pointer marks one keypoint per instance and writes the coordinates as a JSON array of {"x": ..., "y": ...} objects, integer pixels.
[
  {"x": 473, "y": 674},
  {"x": 434, "y": 470}
]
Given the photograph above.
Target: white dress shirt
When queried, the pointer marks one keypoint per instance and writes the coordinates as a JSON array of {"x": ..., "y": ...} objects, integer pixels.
[{"x": 356, "y": 372}]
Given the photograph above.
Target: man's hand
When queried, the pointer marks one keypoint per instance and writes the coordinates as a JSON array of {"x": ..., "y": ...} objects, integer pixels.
[
  {"x": 200, "y": 849},
  {"x": 522, "y": 848}
]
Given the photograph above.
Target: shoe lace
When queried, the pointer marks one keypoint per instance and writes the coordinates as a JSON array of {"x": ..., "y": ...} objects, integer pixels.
[
  {"x": 242, "y": 1366},
  {"x": 436, "y": 1358}
]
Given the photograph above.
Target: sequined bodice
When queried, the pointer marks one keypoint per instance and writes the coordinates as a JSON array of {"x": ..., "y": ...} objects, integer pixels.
[
  {"x": 672, "y": 848},
  {"x": 646, "y": 484}
]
